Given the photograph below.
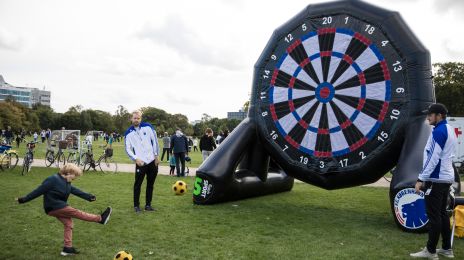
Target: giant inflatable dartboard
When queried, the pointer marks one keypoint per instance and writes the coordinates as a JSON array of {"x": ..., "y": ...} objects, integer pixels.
[
  {"x": 336, "y": 102},
  {"x": 332, "y": 91}
]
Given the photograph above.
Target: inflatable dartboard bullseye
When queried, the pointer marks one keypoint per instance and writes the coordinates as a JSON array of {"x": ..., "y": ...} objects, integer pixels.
[{"x": 336, "y": 102}]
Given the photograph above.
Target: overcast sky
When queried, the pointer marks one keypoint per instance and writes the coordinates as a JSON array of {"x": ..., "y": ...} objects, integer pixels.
[{"x": 189, "y": 57}]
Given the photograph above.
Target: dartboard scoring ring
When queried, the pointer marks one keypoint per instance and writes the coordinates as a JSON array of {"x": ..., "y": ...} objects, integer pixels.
[{"x": 328, "y": 96}]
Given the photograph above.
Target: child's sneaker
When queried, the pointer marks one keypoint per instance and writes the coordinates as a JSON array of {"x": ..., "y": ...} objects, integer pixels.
[
  {"x": 105, "y": 216},
  {"x": 69, "y": 251}
]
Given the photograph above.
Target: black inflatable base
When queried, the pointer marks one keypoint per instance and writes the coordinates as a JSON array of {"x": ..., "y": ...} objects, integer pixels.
[{"x": 244, "y": 185}]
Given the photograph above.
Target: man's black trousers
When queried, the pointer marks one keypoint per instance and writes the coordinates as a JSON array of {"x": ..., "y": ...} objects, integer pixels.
[
  {"x": 165, "y": 151},
  {"x": 439, "y": 222},
  {"x": 151, "y": 170},
  {"x": 180, "y": 158}
]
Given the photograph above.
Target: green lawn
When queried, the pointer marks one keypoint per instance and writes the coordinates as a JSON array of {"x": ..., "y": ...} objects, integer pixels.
[
  {"x": 119, "y": 153},
  {"x": 306, "y": 223}
]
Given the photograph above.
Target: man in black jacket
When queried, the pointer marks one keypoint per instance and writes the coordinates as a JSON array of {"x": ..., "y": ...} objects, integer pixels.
[
  {"x": 179, "y": 147},
  {"x": 207, "y": 143}
]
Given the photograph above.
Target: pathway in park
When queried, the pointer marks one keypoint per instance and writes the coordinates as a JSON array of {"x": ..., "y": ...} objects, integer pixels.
[{"x": 164, "y": 170}]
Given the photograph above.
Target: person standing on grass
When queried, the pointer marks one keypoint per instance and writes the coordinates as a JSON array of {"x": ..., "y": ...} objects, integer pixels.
[
  {"x": 142, "y": 147},
  {"x": 207, "y": 143},
  {"x": 180, "y": 148},
  {"x": 166, "y": 146},
  {"x": 172, "y": 165},
  {"x": 436, "y": 177},
  {"x": 195, "y": 144},
  {"x": 56, "y": 190},
  {"x": 42, "y": 135},
  {"x": 8, "y": 135}
]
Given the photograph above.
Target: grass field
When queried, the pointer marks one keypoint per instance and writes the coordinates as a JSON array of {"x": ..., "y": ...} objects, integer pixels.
[
  {"x": 119, "y": 153},
  {"x": 306, "y": 223}
]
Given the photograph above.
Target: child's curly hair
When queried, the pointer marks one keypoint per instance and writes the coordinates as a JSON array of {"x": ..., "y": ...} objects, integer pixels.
[{"x": 70, "y": 168}]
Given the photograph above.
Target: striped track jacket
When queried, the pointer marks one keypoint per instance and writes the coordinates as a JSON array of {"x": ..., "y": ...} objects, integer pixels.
[
  {"x": 438, "y": 155},
  {"x": 141, "y": 143}
]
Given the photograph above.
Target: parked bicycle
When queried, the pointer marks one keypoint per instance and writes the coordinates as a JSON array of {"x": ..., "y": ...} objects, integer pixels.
[
  {"x": 73, "y": 156},
  {"x": 8, "y": 158},
  {"x": 59, "y": 158},
  {"x": 105, "y": 162},
  {"x": 28, "y": 158}
]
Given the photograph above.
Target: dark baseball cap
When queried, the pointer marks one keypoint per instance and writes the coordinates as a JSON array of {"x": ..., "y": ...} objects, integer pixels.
[{"x": 436, "y": 108}]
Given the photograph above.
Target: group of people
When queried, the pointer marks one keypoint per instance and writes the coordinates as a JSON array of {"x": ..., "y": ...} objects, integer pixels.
[{"x": 7, "y": 136}]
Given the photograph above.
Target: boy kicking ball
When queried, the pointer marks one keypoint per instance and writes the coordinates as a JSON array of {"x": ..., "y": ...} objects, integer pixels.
[{"x": 56, "y": 190}]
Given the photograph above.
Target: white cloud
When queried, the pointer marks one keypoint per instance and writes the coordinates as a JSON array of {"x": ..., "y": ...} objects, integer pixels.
[
  {"x": 175, "y": 34},
  {"x": 455, "y": 6},
  {"x": 10, "y": 41}
]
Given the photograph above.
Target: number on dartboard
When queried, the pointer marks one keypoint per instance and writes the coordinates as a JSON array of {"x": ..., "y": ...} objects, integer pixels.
[
  {"x": 264, "y": 113},
  {"x": 327, "y": 20},
  {"x": 285, "y": 148},
  {"x": 303, "y": 160},
  {"x": 344, "y": 162},
  {"x": 273, "y": 57},
  {"x": 362, "y": 155},
  {"x": 395, "y": 114},
  {"x": 384, "y": 43},
  {"x": 383, "y": 136},
  {"x": 321, "y": 164},
  {"x": 303, "y": 27},
  {"x": 346, "y": 19},
  {"x": 369, "y": 29},
  {"x": 266, "y": 74},
  {"x": 263, "y": 95},
  {"x": 396, "y": 66},
  {"x": 399, "y": 90},
  {"x": 289, "y": 37},
  {"x": 274, "y": 135}
]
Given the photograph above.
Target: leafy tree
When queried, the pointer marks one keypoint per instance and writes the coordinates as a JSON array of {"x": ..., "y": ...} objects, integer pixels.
[
  {"x": 102, "y": 120},
  {"x": 46, "y": 116},
  {"x": 86, "y": 122},
  {"x": 70, "y": 120},
  {"x": 246, "y": 106},
  {"x": 449, "y": 86},
  {"x": 12, "y": 115},
  {"x": 121, "y": 119}
]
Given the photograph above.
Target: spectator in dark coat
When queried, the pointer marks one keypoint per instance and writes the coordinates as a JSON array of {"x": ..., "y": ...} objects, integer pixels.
[
  {"x": 179, "y": 148},
  {"x": 9, "y": 135},
  {"x": 207, "y": 143}
]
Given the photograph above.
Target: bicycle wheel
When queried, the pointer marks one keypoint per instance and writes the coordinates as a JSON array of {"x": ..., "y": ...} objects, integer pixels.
[
  {"x": 72, "y": 158},
  {"x": 49, "y": 158},
  {"x": 26, "y": 164},
  {"x": 107, "y": 165},
  {"x": 86, "y": 160},
  {"x": 60, "y": 160},
  {"x": 9, "y": 161}
]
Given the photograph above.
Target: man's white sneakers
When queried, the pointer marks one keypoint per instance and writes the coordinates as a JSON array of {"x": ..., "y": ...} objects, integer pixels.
[
  {"x": 424, "y": 253},
  {"x": 445, "y": 252}
]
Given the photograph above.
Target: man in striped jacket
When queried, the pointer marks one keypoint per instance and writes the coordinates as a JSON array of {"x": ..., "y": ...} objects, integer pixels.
[
  {"x": 142, "y": 148},
  {"x": 436, "y": 177}
]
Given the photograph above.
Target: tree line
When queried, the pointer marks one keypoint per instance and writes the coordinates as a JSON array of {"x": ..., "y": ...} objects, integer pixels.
[{"x": 40, "y": 117}]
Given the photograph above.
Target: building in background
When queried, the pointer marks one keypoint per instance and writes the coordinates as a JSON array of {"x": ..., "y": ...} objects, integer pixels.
[
  {"x": 23, "y": 95},
  {"x": 240, "y": 115}
]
